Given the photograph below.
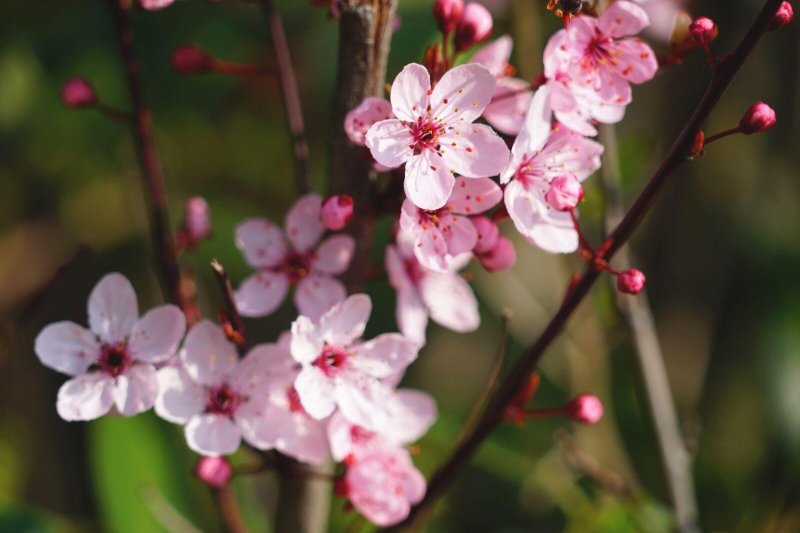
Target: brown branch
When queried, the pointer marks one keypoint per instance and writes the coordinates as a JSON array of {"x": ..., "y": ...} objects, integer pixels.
[
  {"x": 232, "y": 323},
  {"x": 142, "y": 128},
  {"x": 291, "y": 96},
  {"x": 675, "y": 458},
  {"x": 228, "y": 507},
  {"x": 677, "y": 155}
]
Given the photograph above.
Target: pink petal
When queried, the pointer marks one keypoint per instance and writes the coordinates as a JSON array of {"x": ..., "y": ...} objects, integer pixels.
[
  {"x": 555, "y": 236},
  {"x": 306, "y": 343},
  {"x": 262, "y": 293},
  {"x": 390, "y": 142},
  {"x": 373, "y": 109},
  {"x": 316, "y": 294},
  {"x": 362, "y": 400},
  {"x": 261, "y": 242},
  {"x": 396, "y": 269},
  {"x": 428, "y": 181},
  {"x": 459, "y": 234},
  {"x": 179, "y": 398},
  {"x": 334, "y": 254},
  {"x": 85, "y": 397},
  {"x": 554, "y": 54},
  {"x": 474, "y": 196},
  {"x": 430, "y": 249},
  {"x": 136, "y": 390},
  {"x": 153, "y": 5},
  {"x": 412, "y": 315},
  {"x": 410, "y": 92},
  {"x": 208, "y": 356},
  {"x": 566, "y": 152},
  {"x": 292, "y": 434},
  {"x": 156, "y": 336},
  {"x": 495, "y": 55},
  {"x": 533, "y": 135},
  {"x": 272, "y": 362},
  {"x": 340, "y": 437},
  {"x": 316, "y": 392},
  {"x": 510, "y": 102},
  {"x": 623, "y": 18},
  {"x": 550, "y": 230},
  {"x": 384, "y": 355},
  {"x": 212, "y": 435},
  {"x": 347, "y": 321},
  {"x": 412, "y": 413},
  {"x": 462, "y": 94},
  {"x": 67, "y": 348},
  {"x": 474, "y": 151},
  {"x": 637, "y": 62},
  {"x": 450, "y": 301},
  {"x": 113, "y": 310},
  {"x": 303, "y": 224}
]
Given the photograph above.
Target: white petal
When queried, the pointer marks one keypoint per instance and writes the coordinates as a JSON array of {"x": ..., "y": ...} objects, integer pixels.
[
  {"x": 410, "y": 92},
  {"x": 411, "y": 414},
  {"x": 347, "y": 321},
  {"x": 208, "y": 356},
  {"x": 262, "y": 293},
  {"x": 462, "y": 94},
  {"x": 384, "y": 355},
  {"x": 412, "y": 315},
  {"x": 156, "y": 336},
  {"x": 67, "y": 348},
  {"x": 293, "y": 434},
  {"x": 307, "y": 342},
  {"x": 303, "y": 224},
  {"x": 316, "y": 392},
  {"x": 179, "y": 398},
  {"x": 212, "y": 435},
  {"x": 136, "y": 390},
  {"x": 113, "y": 310},
  {"x": 362, "y": 400},
  {"x": 316, "y": 294},
  {"x": 85, "y": 397},
  {"x": 334, "y": 254},
  {"x": 428, "y": 181},
  {"x": 261, "y": 242},
  {"x": 450, "y": 301},
  {"x": 495, "y": 55},
  {"x": 474, "y": 151},
  {"x": 390, "y": 142}
]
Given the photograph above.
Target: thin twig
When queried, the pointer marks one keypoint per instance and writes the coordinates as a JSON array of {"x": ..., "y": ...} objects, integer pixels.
[
  {"x": 232, "y": 318},
  {"x": 724, "y": 73},
  {"x": 228, "y": 507},
  {"x": 142, "y": 128},
  {"x": 291, "y": 96},
  {"x": 588, "y": 466}
]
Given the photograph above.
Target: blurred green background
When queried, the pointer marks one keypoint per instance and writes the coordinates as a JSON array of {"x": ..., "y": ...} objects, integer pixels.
[{"x": 721, "y": 252}]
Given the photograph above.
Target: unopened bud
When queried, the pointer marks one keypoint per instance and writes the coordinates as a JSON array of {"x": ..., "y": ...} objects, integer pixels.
[
  {"x": 447, "y": 14},
  {"x": 153, "y": 5},
  {"x": 703, "y": 30},
  {"x": 475, "y": 26},
  {"x": 77, "y": 93},
  {"x": 759, "y": 117},
  {"x": 631, "y": 281},
  {"x": 501, "y": 257},
  {"x": 197, "y": 219},
  {"x": 783, "y": 17},
  {"x": 337, "y": 212},
  {"x": 190, "y": 59},
  {"x": 433, "y": 62},
  {"x": 586, "y": 409},
  {"x": 215, "y": 472},
  {"x": 488, "y": 234},
  {"x": 564, "y": 193},
  {"x": 698, "y": 144}
]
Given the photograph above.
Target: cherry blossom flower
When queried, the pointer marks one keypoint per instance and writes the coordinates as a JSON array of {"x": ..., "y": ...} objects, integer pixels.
[
  {"x": 411, "y": 414},
  {"x": 214, "y": 395},
  {"x": 340, "y": 370},
  {"x": 433, "y": 133},
  {"x": 383, "y": 485},
  {"x": 602, "y": 59},
  {"x": 301, "y": 263},
  {"x": 512, "y": 96},
  {"x": 538, "y": 156},
  {"x": 447, "y": 232},
  {"x": 445, "y": 297},
  {"x": 283, "y": 424},
  {"x": 113, "y": 362}
]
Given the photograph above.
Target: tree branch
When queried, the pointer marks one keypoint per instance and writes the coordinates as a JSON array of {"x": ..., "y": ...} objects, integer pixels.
[{"x": 678, "y": 153}]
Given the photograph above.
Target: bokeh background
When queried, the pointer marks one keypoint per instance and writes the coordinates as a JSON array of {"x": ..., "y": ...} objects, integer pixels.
[{"x": 721, "y": 251}]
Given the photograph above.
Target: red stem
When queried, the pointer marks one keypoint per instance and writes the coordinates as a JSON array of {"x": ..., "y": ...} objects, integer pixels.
[
  {"x": 240, "y": 69},
  {"x": 722, "y": 134},
  {"x": 724, "y": 73}
]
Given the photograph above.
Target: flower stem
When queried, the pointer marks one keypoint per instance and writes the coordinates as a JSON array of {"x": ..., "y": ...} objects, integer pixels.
[{"x": 722, "y": 135}]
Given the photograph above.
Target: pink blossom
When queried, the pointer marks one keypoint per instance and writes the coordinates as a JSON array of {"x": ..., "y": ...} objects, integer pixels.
[
  {"x": 283, "y": 424},
  {"x": 602, "y": 59},
  {"x": 361, "y": 118},
  {"x": 411, "y": 414},
  {"x": 447, "y": 232},
  {"x": 214, "y": 395},
  {"x": 539, "y": 155},
  {"x": 215, "y": 472},
  {"x": 703, "y": 30},
  {"x": 475, "y": 26},
  {"x": 488, "y": 233},
  {"x": 339, "y": 370},
  {"x": 301, "y": 263},
  {"x": 113, "y": 362},
  {"x": 501, "y": 257},
  {"x": 564, "y": 193},
  {"x": 152, "y": 5},
  {"x": 433, "y": 132},
  {"x": 383, "y": 485},
  {"x": 512, "y": 96},
  {"x": 631, "y": 281},
  {"x": 586, "y": 409},
  {"x": 445, "y": 297},
  {"x": 447, "y": 14},
  {"x": 337, "y": 211},
  {"x": 77, "y": 92}
]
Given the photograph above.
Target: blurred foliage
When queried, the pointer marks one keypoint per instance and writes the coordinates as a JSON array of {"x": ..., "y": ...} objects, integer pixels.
[{"x": 720, "y": 251}]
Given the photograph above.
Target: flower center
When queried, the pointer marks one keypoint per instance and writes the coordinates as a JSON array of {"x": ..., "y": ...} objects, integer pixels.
[
  {"x": 425, "y": 133},
  {"x": 297, "y": 266},
  {"x": 331, "y": 360},
  {"x": 222, "y": 400},
  {"x": 114, "y": 359},
  {"x": 600, "y": 52},
  {"x": 429, "y": 218},
  {"x": 294, "y": 401}
]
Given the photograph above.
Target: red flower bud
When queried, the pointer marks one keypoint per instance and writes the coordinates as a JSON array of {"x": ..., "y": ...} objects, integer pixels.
[
  {"x": 783, "y": 17},
  {"x": 631, "y": 281},
  {"x": 703, "y": 30},
  {"x": 488, "y": 234},
  {"x": 501, "y": 257},
  {"x": 564, "y": 193},
  {"x": 77, "y": 93},
  {"x": 586, "y": 409},
  {"x": 698, "y": 144},
  {"x": 759, "y": 117},
  {"x": 337, "y": 212},
  {"x": 215, "y": 472},
  {"x": 190, "y": 59},
  {"x": 447, "y": 14},
  {"x": 475, "y": 26},
  {"x": 197, "y": 220}
]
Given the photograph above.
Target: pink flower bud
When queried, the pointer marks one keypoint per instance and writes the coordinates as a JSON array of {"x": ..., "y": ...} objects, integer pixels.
[
  {"x": 501, "y": 257},
  {"x": 190, "y": 59},
  {"x": 197, "y": 219},
  {"x": 759, "y": 117},
  {"x": 564, "y": 193},
  {"x": 783, "y": 17},
  {"x": 631, "y": 281},
  {"x": 703, "y": 30},
  {"x": 215, "y": 472},
  {"x": 447, "y": 14},
  {"x": 337, "y": 212},
  {"x": 152, "y": 5},
  {"x": 78, "y": 92},
  {"x": 488, "y": 234},
  {"x": 474, "y": 27},
  {"x": 586, "y": 409}
]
